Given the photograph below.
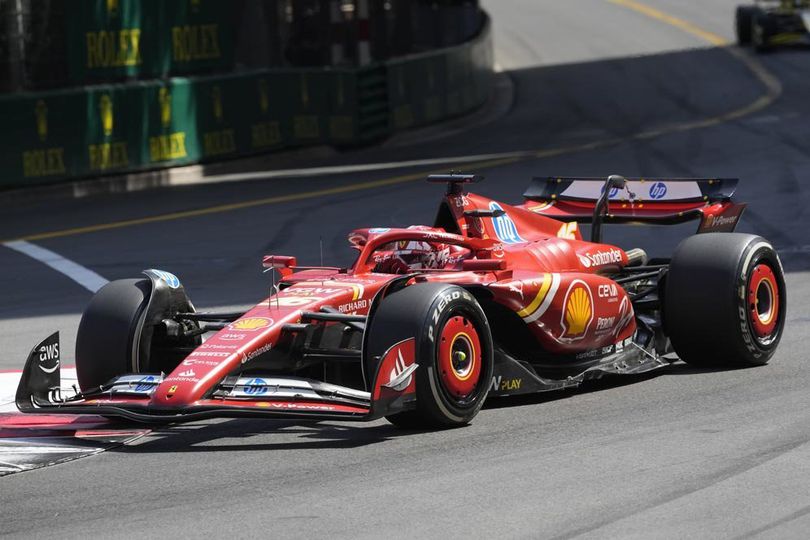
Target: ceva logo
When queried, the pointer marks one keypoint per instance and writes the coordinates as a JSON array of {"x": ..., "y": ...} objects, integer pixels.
[
  {"x": 658, "y": 190},
  {"x": 505, "y": 228}
]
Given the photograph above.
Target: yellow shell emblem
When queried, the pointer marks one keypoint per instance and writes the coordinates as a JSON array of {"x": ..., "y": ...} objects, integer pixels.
[
  {"x": 578, "y": 311},
  {"x": 252, "y": 323}
]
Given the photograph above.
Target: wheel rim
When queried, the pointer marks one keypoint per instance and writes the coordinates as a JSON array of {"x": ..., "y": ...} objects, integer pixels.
[
  {"x": 763, "y": 301},
  {"x": 459, "y": 357}
]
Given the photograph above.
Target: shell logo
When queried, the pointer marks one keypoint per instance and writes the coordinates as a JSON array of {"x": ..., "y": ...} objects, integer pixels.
[
  {"x": 578, "y": 313},
  {"x": 251, "y": 324}
]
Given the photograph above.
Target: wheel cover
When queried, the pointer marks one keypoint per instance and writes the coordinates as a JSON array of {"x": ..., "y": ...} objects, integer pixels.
[
  {"x": 763, "y": 301},
  {"x": 459, "y": 357}
]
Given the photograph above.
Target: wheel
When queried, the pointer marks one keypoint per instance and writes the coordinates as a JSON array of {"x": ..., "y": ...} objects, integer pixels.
[
  {"x": 725, "y": 300},
  {"x": 743, "y": 22},
  {"x": 105, "y": 343},
  {"x": 762, "y": 29},
  {"x": 453, "y": 346}
]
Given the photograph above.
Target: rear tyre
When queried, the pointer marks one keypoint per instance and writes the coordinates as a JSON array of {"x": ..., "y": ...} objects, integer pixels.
[
  {"x": 453, "y": 346},
  {"x": 725, "y": 300},
  {"x": 743, "y": 24},
  {"x": 105, "y": 343}
]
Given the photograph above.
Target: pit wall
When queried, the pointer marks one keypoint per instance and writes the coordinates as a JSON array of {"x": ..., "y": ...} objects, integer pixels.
[{"x": 54, "y": 136}]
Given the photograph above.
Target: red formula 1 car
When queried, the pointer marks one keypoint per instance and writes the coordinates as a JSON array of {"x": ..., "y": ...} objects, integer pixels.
[{"x": 493, "y": 299}]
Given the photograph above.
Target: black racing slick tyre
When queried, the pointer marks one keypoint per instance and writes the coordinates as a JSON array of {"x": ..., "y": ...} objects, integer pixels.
[
  {"x": 105, "y": 343},
  {"x": 454, "y": 351},
  {"x": 742, "y": 22},
  {"x": 725, "y": 301}
]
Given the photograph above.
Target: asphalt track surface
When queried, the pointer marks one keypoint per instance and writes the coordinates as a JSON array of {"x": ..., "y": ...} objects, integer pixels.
[{"x": 600, "y": 87}]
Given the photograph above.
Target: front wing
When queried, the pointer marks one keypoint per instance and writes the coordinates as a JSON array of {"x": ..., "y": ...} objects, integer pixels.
[{"x": 129, "y": 396}]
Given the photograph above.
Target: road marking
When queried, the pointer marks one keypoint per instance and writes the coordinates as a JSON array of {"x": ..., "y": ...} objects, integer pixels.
[
  {"x": 81, "y": 275},
  {"x": 773, "y": 89},
  {"x": 671, "y": 20},
  {"x": 257, "y": 202}
]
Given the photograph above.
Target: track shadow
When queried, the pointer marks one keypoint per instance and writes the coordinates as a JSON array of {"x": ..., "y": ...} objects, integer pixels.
[{"x": 308, "y": 435}]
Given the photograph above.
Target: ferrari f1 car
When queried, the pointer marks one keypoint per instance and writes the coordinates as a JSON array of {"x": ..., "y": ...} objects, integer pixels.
[
  {"x": 429, "y": 321},
  {"x": 770, "y": 23}
]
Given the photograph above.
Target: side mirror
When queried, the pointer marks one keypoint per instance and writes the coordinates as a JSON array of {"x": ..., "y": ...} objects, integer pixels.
[{"x": 282, "y": 263}]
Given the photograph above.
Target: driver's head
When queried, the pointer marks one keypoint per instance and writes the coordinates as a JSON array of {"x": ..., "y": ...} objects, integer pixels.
[{"x": 416, "y": 255}]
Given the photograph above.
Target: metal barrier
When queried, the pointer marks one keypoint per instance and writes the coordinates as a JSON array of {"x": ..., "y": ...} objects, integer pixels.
[{"x": 65, "y": 134}]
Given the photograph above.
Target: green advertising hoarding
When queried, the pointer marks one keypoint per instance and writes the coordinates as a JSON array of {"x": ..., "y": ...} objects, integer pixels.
[
  {"x": 111, "y": 40},
  {"x": 102, "y": 129}
]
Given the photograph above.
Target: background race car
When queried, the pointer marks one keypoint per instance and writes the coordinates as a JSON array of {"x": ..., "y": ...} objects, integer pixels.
[{"x": 770, "y": 23}]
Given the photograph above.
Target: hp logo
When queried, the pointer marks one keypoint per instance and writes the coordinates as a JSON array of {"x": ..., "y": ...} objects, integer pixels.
[
  {"x": 147, "y": 383},
  {"x": 658, "y": 190},
  {"x": 256, "y": 387},
  {"x": 170, "y": 279},
  {"x": 505, "y": 228},
  {"x": 613, "y": 192}
]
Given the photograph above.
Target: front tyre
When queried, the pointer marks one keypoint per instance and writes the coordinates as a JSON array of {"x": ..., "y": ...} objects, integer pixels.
[
  {"x": 106, "y": 344},
  {"x": 725, "y": 300},
  {"x": 453, "y": 346}
]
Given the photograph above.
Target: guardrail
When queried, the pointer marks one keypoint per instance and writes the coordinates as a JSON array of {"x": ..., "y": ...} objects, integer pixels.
[{"x": 53, "y": 136}]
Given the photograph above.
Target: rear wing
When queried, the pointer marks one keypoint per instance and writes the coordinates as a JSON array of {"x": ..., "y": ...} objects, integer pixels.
[{"x": 643, "y": 200}]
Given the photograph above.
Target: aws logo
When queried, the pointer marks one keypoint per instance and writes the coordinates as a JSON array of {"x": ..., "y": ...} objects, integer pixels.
[
  {"x": 578, "y": 312},
  {"x": 505, "y": 228}
]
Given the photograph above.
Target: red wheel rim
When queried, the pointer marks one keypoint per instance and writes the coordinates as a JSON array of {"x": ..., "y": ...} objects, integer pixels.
[
  {"x": 459, "y": 357},
  {"x": 763, "y": 300}
]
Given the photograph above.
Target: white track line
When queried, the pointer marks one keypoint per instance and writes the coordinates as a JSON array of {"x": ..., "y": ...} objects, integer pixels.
[{"x": 81, "y": 275}]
